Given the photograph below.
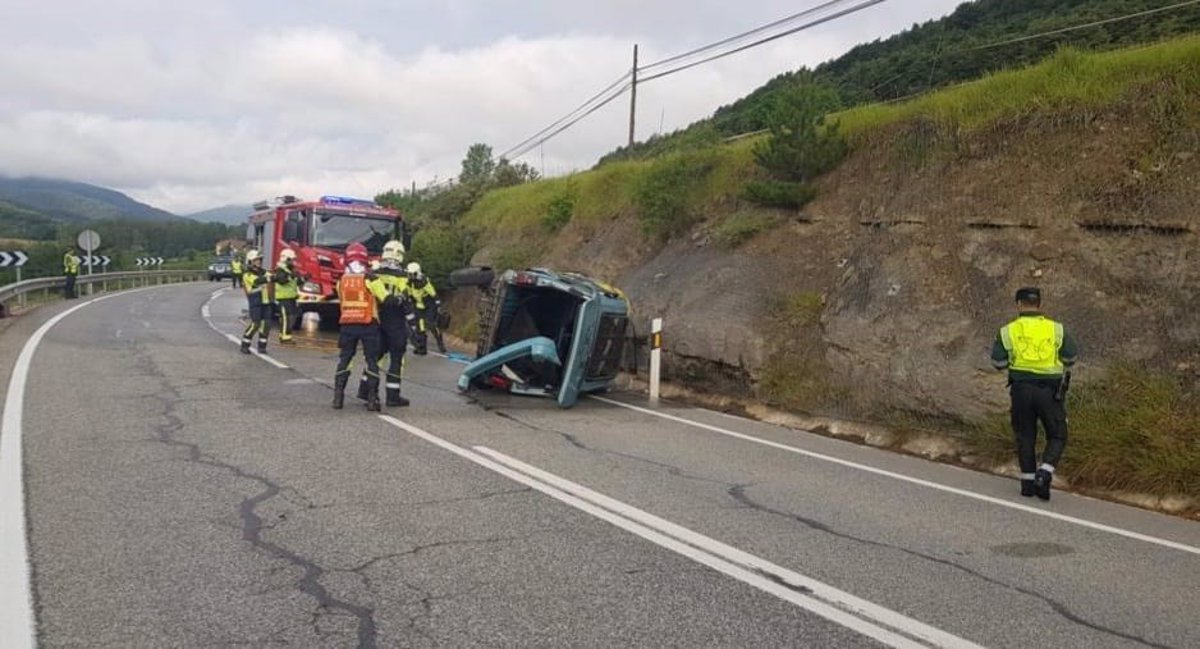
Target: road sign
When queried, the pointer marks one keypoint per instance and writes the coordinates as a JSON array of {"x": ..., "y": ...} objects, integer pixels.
[
  {"x": 105, "y": 260},
  {"x": 149, "y": 261},
  {"x": 14, "y": 259},
  {"x": 88, "y": 240}
]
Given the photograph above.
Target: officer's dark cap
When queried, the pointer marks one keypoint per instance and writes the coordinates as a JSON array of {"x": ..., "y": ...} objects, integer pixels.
[{"x": 1029, "y": 295}]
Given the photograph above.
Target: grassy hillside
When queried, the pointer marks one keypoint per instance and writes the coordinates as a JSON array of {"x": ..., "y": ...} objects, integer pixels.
[
  {"x": 957, "y": 48},
  {"x": 76, "y": 202},
  {"x": 1070, "y": 82}
]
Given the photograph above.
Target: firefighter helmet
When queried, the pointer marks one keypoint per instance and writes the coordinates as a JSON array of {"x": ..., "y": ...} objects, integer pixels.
[
  {"x": 393, "y": 251},
  {"x": 287, "y": 254},
  {"x": 253, "y": 255},
  {"x": 356, "y": 252},
  {"x": 414, "y": 269}
]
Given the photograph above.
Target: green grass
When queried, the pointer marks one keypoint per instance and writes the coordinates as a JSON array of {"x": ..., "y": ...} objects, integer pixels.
[
  {"x": 1132, "y": 430},
  {"x": 743, "y": 226},
  {"x": 1068, "y": 80}
]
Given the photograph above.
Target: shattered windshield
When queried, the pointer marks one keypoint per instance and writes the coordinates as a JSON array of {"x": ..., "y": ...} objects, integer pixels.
[{"x": 337, "y": 231}]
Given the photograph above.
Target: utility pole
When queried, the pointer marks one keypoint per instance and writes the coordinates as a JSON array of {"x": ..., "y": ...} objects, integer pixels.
[{"x": 633, "y": 97}]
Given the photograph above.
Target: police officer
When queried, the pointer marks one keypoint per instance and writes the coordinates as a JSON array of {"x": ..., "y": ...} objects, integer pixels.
[
  {"x": 359, "y": 297},
  {"x": 256, "y": 283},
  {"x": 1037, "y": 352},
  {"x": 396, "y": 315},
  {"x": 287, "y": 291},
  {"x": 71, "y": 271},
  {"x": 235, "y": 269},
  {"x": 428, "y": 304}
]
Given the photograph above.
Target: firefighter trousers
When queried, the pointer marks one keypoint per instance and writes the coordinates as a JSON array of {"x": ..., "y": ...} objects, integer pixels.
[
  {"x": 288, "y": 315},
  {"x": 1033, "y": 402},
  {"x": 260, "y": 326},
  {"x": 349, "y": 339}
]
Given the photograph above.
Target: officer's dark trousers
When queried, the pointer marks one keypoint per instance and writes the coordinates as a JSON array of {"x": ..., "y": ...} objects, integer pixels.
[
  {"x": 394, "y": 343},
  {"x": 260, "y": 325},
  {"x": 69, "y": 288},
  {"x": 288, "y": 313},
  {"x": 1033, "y": 401},
  {"x": 348, "y": 341}
]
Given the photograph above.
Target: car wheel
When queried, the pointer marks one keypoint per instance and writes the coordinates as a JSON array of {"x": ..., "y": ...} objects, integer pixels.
[{"x": 480, "y": 276}]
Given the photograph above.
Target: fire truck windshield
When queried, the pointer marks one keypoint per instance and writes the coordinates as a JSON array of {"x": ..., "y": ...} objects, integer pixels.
[{"x": 333, "y": 230}]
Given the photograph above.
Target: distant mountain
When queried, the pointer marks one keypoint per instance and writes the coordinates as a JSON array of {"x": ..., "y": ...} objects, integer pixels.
[
  {"x": 227, "y": 214},
  {"x": 66, "y": 201}
]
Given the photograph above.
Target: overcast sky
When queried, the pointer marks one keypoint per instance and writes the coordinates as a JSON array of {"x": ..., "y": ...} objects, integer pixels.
[{"x": 212, "y": 102}]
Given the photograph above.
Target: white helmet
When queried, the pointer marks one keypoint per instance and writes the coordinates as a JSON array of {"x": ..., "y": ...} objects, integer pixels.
[
  {"x": 393, "y": 251},
  {"x": 414, "y": 269},
  {"x": 287, "y": 254},
  {"x": 253, "y": 255}
]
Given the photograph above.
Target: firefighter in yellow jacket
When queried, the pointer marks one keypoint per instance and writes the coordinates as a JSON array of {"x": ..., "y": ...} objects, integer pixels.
[
  {"x": 359, "y": 297},
  {"x": 256, "y": 282}
]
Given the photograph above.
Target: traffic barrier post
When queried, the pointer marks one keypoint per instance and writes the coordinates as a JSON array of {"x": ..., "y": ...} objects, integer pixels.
[{"x": 655, "y": 358}]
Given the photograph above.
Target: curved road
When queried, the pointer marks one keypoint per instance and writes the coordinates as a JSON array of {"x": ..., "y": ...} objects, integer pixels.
[{"x": 181, "y": 494}]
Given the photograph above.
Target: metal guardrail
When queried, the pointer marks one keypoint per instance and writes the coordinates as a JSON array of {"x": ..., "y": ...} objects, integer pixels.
[{"x": 101, "y": 281}]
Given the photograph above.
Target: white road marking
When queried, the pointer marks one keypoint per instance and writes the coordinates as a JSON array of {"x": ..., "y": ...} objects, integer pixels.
[
  {"x": 1175, "y": 545},
  {"x": 17, "y": 627},
  {"x": 206, "y": 313},
  {"x": 885, "y": 626}
]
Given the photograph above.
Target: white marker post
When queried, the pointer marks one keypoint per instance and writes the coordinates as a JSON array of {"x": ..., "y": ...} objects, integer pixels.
[{"x": 655, "y": 358}]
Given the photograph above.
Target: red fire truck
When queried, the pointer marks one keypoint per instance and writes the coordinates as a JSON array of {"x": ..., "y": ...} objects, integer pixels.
[{"x": 319, "y": 232}]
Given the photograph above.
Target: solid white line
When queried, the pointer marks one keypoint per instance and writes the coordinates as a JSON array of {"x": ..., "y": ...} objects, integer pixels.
[
  {"x": 206, "y": 313},
  {"x": 883, "y": 635},
  {"x": 839, "y": 598},
  {"x": 1175, "y": 545},
  {"x": 17, "y": 626}
]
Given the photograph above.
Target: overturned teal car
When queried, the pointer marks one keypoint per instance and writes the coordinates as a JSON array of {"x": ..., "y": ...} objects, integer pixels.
[{"x": 545, "y": 333}]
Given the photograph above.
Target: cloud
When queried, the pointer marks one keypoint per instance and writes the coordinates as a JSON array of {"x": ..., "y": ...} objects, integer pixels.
[{"x": 235, "y": 110}]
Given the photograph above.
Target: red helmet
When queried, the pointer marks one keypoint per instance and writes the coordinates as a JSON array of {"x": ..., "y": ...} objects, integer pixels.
[{"x": 356, "y": 252}]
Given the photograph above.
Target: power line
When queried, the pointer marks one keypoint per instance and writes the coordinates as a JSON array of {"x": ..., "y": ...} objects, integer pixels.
[
  {"x": 1085, "y": 26},
  {"x": 571, "y": 114},
  {"x": 743, "y": 35},
  {"x": 762, "y": 41}
]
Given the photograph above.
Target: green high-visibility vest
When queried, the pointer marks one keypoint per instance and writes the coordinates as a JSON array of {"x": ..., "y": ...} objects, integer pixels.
[{"x": 1032, "y": 343}]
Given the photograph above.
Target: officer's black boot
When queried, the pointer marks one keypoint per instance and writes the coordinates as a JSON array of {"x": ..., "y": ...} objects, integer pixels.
[
  {"x": 1027, "y": 488},
  {"x": 339, "y": 391},
  {"x": 373, "y": 394},
  {"x": 1041, "y": 483},
  {"x": 362, "y": 388},
  {"x": 394, "y": 399}
]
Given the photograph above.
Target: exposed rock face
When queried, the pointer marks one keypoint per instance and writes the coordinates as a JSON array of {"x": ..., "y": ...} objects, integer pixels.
[{"x": 916, "y": 262}]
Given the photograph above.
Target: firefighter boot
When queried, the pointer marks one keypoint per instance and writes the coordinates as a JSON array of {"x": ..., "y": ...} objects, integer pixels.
[
  {"x": 245, "y": 347},
  {"x": 441, "y": 342},
  {"x": 1027, "y": 488},
  {"x": 339, "y": 391},
  {"x": 373, "y": 394},
  {"x": 1041, "y": 483},
  {"x": 362, "y": 387},
  {"x": 394, "y": 399}
]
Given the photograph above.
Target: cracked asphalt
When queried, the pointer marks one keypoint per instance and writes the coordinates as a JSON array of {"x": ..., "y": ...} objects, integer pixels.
[{"x": 181, "y": 494}]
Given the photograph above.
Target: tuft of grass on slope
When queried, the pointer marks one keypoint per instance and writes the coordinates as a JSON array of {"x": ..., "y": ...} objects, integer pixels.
[
  {"x": 1132, "y": 430},
  {"x": 1070, "y": 79}
]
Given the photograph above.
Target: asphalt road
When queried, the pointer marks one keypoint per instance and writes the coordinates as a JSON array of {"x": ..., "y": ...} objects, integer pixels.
[{"x": 182, "y": 494}]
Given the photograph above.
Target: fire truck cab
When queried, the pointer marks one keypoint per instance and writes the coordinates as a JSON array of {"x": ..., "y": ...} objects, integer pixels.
[{"x": 319, "y": 232}]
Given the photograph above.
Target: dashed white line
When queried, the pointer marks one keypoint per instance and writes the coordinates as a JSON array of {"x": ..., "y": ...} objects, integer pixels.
[
  {"x": 883, "y": 625},
  {"x": 1175, "y": 545},
  {"x": 206, "y": 313}
]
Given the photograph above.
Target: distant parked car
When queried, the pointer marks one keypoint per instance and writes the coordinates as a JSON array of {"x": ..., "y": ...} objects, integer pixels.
[
  {"x": 546, "y": 333},
  {"x": 220, "y": 268}
]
